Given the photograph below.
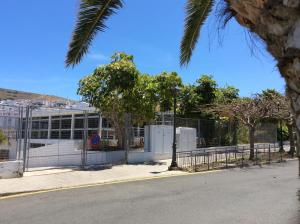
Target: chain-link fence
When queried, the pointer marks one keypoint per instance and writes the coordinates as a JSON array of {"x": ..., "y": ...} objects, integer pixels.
[
  {"x": 66, "y": 137},
  {"x": 46, "y": 137},
  {"x": 221, "y": 132},
  {"x": 14, "y": 140}
]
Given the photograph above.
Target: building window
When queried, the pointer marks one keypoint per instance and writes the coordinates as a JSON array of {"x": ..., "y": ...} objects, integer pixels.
[
  {"x": 106, "y": 123},
  {"x": 44, "y": 124},
  {"x": 54, "y": 135},
  {"x": 93, "y": 122},
  {"x": 66, "y": 124},
  {"x": 78, "y": 134},
  {"x": 34, "y": 134},
  {"x": 79, "y": 123},
  {"x": 65, "y": 135},
  {"x": 43, "y": 134},
  {"x": 35, "y": 125},
  {"x": 55, "y": 124}
]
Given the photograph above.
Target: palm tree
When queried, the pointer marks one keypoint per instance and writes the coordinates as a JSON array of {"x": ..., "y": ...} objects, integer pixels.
[{"x": 277, "y": 23}]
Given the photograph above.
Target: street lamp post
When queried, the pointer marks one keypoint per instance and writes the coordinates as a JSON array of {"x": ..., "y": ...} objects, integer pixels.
[{"x": 174, "y": 165}]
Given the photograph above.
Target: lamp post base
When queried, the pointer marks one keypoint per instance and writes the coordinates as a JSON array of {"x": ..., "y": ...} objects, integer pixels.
[{"x": 173, "y": 166}]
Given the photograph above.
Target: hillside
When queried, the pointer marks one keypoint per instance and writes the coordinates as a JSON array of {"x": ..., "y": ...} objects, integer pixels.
[{"x": 20, "y": 95}]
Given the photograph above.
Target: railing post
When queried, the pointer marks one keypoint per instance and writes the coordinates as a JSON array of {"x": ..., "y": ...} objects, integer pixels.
[
  {"x": 243, "y": 156},
  {"x": 208, "y": 160},
  {"x": 256, "y": 162},
  {"x": 216, "y": 156},
  {"x": 195, "y": 162},
  {"x": 226, "y": 158},
  {"x": 235, "y": 151},
  {"x": 191, "y": 156},
  {"x": 269, "y": 154}
]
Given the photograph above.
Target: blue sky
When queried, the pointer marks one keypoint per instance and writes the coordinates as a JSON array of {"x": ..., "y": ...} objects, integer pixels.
[{"x": 35, "y": 35}]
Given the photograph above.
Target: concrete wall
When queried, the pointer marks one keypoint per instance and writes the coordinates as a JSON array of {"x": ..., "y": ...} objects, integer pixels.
[
  {"x": 140, "y": 157},
  {"x": 68, "y": 153},
  {"x": 11, "y": 169}
]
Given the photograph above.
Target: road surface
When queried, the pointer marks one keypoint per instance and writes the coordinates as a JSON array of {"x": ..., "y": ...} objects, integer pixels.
[{"x": 243, "y": 196}]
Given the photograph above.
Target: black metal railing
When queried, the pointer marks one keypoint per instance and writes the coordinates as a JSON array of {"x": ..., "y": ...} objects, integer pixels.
[{"x": 229, "y": 156}]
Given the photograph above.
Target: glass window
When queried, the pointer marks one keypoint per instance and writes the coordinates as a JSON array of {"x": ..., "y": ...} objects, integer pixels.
[
  {"x": 44, "y": 124},
  {"x": 34, "y": 134},
  {"x": 78, "y": 134},
  {"x": 79, "y": 123},
  {"x": 66, "y": 124},
  {"x": 65, "y": 135},
  {"x": 93, "y": 115},
  {"x": 104, "y": 134},
  {"x": 43, "y": 134},
  {"x": 93, "y": 122},
  {"x": 55, "y": 124},
  {"x": 104, "y": 123},
  {"x": 23, "y": 125},
  {"x": 35, "y": 124},
  {"x": 54, "y": 135}
]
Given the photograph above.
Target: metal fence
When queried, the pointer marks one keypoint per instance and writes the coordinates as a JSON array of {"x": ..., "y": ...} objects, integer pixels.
[
  {"x": 62, "y": 137},
  {"x": 221, "y": 132},
  {"x": 14, "y": 142},
  {"x": 229, "y": 156}
]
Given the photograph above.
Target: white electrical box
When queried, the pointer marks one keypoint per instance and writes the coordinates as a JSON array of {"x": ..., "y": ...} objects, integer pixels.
[
  {"x": 186, "y": 139},
  {"x": 159, "y": 139}
]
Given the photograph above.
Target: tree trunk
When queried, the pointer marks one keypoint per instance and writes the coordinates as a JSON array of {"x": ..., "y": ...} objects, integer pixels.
[
  {"x": 235, "y": 131},
  {"x": 251, "y": 141},
  {"x": 292, "y": 140},
  {"x": 277, "y": 23}
]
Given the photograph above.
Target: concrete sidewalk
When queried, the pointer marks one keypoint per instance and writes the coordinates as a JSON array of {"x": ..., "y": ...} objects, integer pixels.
[{"x": 55, "y": 178}]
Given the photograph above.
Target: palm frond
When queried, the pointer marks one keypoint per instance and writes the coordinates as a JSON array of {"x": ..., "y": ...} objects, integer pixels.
[
  {"x": 196, "y": 13},
  {"x": 90, "y": 20}
]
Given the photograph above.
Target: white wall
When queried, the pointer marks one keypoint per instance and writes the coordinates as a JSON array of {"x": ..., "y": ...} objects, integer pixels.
[
  {"x": 11, "y": 169},
  {"x": 68, "y": 153},
  {"x": 158, "y": 145}
]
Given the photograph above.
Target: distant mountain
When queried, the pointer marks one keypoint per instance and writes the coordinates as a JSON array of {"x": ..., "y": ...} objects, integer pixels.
[{"x": 9, "y": 94}]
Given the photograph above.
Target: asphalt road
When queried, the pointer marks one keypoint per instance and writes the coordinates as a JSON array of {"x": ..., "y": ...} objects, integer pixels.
[{"x": 244, "y": 196}]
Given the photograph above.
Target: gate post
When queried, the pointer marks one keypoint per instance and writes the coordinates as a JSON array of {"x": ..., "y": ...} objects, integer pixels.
[{"x": 25, "y": 137}]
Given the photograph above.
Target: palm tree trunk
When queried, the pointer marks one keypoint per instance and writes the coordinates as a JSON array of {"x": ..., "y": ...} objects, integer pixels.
[
  {"x": 292, "y": 140},
  {"x": 277, "y": 23}
]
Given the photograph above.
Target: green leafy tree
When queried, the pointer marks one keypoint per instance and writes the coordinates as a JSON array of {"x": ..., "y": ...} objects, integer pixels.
[
  {"x": 116, "y": 89},
  {"x": 188, "y": 100},
  {"x": 165, "y": 84},
  {"x": 226, "y": 94},
  {"x": 206, "y": 88}
]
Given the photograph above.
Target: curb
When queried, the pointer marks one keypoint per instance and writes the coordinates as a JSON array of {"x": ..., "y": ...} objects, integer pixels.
[{"x": 4, "y": 196}]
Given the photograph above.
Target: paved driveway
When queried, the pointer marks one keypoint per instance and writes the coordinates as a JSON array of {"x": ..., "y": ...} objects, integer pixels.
[{"x": 254, "y": 195}]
